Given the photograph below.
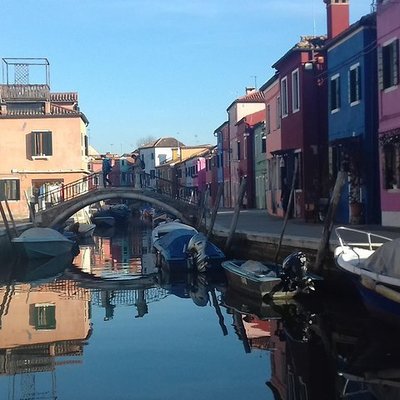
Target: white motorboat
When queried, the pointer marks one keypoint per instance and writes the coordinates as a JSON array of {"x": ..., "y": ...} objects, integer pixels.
[
  {"x": 373, "y": 264},
  {"x": 165, "y": 227},
  {"x": 42, "y": 242}
]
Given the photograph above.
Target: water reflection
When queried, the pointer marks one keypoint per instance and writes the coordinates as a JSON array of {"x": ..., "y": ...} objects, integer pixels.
[
  {"x": 327, "y": 349},
  {"x": 319, "y": 348}
]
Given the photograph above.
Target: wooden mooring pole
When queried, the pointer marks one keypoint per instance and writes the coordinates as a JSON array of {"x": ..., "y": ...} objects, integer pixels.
[
  {"x": 242, "y": 191},
  {"x": 288, "y": 209},
  {"x": 11, "y": 217},
  {"x": 215, "y": 209},
  {"x": 329, "y": 220},
  {"x": 7, "y": 226}
]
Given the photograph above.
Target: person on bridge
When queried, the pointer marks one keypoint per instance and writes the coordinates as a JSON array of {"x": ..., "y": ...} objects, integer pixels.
[{"x": 106, "y": 169}]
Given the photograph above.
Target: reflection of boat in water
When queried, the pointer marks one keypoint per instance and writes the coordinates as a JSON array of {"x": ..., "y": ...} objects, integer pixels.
[
  {"x": 42, "y": 242},
  {"x": 116, "y": 282},
  {"x": 260, "y": 280},
  {"x": 373, "y": 369},
  {"x": 197, "y": 286},
  {"x": 37, "y": 270},
  {"x": 250, "y": 305}
]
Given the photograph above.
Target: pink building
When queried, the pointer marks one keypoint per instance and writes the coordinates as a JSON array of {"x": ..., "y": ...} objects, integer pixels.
[
  {"x": 44, "y": 142},
  {"x": 388, "y": 34},
  {"x": 252, "y": 102},
  {"x": 271, "y": 92}
]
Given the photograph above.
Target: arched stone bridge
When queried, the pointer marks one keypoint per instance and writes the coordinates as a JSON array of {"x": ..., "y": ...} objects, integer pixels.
[{"x": 60, "y": 212}]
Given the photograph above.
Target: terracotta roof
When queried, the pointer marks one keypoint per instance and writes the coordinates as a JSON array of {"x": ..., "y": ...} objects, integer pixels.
[
  {"x": 306, "y": 43},
  {"x": 255, "y": 118},
  {"x": 253, "y": 97}
]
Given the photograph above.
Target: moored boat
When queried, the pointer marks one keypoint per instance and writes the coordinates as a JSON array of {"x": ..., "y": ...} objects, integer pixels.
[
  {"x": 185, "y": 249},
  {"x": 165, "y": 227},
  {"x": 42, "y": 242},
  {"x": 373, "y": 264},
  {"x": 257, "y": 279}
]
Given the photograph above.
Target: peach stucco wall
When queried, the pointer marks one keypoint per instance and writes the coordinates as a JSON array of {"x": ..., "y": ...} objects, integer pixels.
[
  {"x": 67, "y": 164},
  {"x": 72, "y": 318}
]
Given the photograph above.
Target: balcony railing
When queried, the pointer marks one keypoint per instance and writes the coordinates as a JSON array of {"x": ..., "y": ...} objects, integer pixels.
[{"x": 25, "y": 92}]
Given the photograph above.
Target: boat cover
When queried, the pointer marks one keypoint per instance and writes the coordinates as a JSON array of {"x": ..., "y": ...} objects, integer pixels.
[
  {"x": 385, "y": 260},
  {"x": 174, "y": 242}
]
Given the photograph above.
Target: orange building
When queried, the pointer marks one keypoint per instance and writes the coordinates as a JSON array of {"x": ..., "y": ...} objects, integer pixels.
[{"x": 44, "y": 141}]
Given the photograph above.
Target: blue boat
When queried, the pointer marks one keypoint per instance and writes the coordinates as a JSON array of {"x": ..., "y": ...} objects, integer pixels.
[
  {"x": 181, "y": 249},
  {"x": 171, "y": 250}
]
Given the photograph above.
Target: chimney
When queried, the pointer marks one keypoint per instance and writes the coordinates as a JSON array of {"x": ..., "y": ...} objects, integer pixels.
[
  {"x": 250, "y": 90},
  {"x": 338, "y": 16}
]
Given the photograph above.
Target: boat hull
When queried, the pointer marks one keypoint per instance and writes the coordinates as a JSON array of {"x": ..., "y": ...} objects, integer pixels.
[
  {"x": 44, "y": 249},
  {"x": 42, "y": 242},
  {"x": 243, "y": 281}
]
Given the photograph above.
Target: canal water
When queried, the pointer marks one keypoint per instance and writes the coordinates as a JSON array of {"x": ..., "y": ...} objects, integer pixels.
[{"x": 108, "y": 325}]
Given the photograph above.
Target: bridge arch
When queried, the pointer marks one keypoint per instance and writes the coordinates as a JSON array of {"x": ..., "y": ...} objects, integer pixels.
[{"x": 59, "y": 213}]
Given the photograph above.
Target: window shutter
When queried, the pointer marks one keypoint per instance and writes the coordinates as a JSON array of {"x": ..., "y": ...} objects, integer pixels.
[
  {"x": 349, "y": 86},
  {"x": 33, "y": 144},
  {"x": 380, "y": 69},
  {"x": 47, "y": 144}
]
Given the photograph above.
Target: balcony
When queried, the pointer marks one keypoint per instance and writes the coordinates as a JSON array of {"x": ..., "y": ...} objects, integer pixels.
[{"x": 24, "y": 93}]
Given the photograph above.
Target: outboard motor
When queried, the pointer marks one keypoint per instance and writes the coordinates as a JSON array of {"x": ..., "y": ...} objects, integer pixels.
[
  {"x": 294, "y": 272},
  {"x": 197, "y": 249}
]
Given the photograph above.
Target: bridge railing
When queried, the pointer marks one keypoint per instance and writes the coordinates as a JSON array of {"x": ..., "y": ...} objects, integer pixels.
[
  {"x": 142, "y": 180},
  {"x": 68, "y": 191}
]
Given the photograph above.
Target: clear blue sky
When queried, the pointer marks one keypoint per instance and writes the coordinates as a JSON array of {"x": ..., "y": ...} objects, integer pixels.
[{"x": 158, "y": 67}]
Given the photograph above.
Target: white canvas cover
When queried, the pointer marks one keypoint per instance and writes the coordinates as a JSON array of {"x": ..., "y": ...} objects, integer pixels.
[{"x": 385, "y": 260}]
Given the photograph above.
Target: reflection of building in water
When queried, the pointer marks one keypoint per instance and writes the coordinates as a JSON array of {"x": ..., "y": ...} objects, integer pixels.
[
  {"x": 126, "y": 254},
  {"x": 138, "y": 298},
  {"x": 252, "y": 331},
  {"x": 38, "y": 325},
  {"x": 278, "y": 379}
]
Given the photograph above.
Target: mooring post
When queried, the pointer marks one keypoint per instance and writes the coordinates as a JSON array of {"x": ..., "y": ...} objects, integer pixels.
[
  {"x": 215, "y": 209},
  {"x": 242, "y": 191},
  {"x": 3, "y": 214},
  {"x": 288, "y": 209},
  {"x": 11, "y": 217},
  {"x": 329, "y": 220}
]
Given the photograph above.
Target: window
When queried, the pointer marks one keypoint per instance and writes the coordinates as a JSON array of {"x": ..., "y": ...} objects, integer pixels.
[
  {"x": 392, "y": 166},
  {"x": 295, "y": 91},
  {"x": 388, "y": 64},
  {"x": 284, "y": 98},
  {"x": 263, "y": 144},
  {"x": 238, "y": 151},
  {"x": 42, "y": 144},
  {"x": 354, "y": 85},
  {"x": 44, "y": 316},
  {"x": 268, "y": 121},
  {"x": 9, "y": 189},
  {"x": 278, "y": 112},
  {"x": 335, "y": 93}
]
